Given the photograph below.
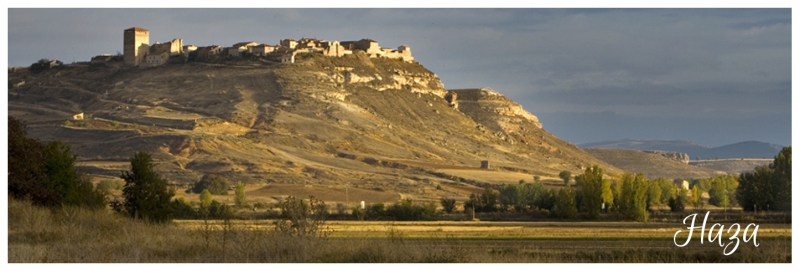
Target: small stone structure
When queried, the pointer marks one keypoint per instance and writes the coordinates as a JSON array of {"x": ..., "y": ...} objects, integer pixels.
[{"x": 485, "y": 164}]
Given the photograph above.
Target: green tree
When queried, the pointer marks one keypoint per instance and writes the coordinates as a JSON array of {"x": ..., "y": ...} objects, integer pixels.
[
  {"x": 511, "y": 196},
  {"x": 654, "y": 194},
  {"x": 768, "y": 187},
  {"x": 485, "y": 202},
  {"x": 697, "y": 197},
  {"x": 449, "y": 205},
  {"x": 718, "y": 195},
  {"x": 565, "y": 176},
  {"x": 146, "y": 193},
  {"x": 46, "y": 173},
  {"x": 667, "y": 190},
  {"x": 564, "y": 206},
  {"x": 240, "y": 198},
  {"x": 634, "y": 197},
  {"x": 592, "y": 192},
  {"x": 205, "y": 199},
  {"x": 678, "y": 203}
]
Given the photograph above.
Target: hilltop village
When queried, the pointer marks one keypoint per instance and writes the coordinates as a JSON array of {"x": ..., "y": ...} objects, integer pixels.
[{"x": 137, "y": 50}]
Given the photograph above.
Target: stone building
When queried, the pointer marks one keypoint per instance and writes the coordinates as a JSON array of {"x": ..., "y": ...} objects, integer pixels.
[
  {"x": 287, "y": 58},
  {"x": 208, "y": 51},
  {"x": 237, "y": 49},
  {"x": 158, "y": 55},
  {"x": 135, "y": 46},
  {"x": 370, "y": 47},
  {"x": 332, "y": 48},
  {"x": 262, "y": 49},
  {"x": 289, "y": 43}
]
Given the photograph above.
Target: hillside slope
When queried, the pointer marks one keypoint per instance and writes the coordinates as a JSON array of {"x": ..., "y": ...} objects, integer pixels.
[
  {"x": 745, "y": 149},
  {"x": 652, "y": 165},
  {"x": 374, "y": 124}
]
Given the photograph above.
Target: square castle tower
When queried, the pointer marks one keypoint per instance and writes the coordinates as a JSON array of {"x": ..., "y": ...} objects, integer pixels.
[{"x": 136, "y": 44}]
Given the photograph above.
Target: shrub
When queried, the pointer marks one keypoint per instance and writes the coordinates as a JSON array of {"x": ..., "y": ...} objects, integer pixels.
[
  {"x": 449, "y": 205},
  {"x": 302, "y": 218},
  {"x": 406, "y": 210},
  {"x": 215, "y": 184},
  {"x": 182, "y": 209}
]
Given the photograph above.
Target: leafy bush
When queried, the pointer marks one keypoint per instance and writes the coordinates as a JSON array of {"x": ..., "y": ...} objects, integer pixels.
[
  {"x": 215, "y": 184},
  {"x": 302, "y": 218},
  {"x": 449, "y": 205},
  {"x": 406, "y": 210},
  {"x": 182, "y": 209}
]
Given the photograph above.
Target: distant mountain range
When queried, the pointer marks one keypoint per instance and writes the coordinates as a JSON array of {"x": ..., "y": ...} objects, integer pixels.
[{"x": 745, "y": 149}]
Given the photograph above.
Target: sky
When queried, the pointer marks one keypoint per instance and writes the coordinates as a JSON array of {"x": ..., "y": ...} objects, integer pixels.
[{"x": 712, "y": 76}]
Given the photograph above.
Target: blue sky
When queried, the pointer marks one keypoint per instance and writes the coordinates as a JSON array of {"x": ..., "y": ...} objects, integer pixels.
[{"x": 713, "y": 76}]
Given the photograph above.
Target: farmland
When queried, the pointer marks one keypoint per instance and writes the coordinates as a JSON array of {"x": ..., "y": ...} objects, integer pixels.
[{"x": 79, "y": 235}]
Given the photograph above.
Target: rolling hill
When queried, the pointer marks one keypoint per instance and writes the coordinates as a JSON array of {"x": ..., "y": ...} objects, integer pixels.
[{"x": 745, "y": 149}]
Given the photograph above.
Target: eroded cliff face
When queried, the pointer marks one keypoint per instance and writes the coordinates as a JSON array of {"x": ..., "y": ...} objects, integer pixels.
[
  {"x": 677, "y": 156},
  {"x": 490, "y": 108}
]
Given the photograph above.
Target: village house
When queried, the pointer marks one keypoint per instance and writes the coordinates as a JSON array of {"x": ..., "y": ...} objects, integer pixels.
[
  {"x": 262, "y": 49},
  {"x": 208, "y": 51},
  {"x": 237, "y": 49},
  {"x": 287, "y": 58},
  {"x": 159, "y": 54},
  {"x": 77, "y": 116},
  {"x": 157, "y": 57},
  {"x": 288, "y": 43}
]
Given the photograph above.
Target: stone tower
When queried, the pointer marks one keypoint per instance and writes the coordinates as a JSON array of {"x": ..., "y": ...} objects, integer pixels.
[{"x": 136, "y": 43}]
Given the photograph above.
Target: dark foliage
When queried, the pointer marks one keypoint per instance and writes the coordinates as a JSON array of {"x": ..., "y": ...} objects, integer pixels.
[
  {"x": 46, "y": 173},
  {"x": 768, "y": 187},
  {"x": 215, "y": 184},
  {"x": 146, "y": 193}
]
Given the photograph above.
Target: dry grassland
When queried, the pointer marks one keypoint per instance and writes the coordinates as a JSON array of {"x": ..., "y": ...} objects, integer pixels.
[{"x": 78, "y": 235}]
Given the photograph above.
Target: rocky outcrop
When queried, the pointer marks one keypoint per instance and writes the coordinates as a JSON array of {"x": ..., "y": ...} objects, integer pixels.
[
  {"x": 680, "y": 157},
  {"x": 486, "y": 105}
]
